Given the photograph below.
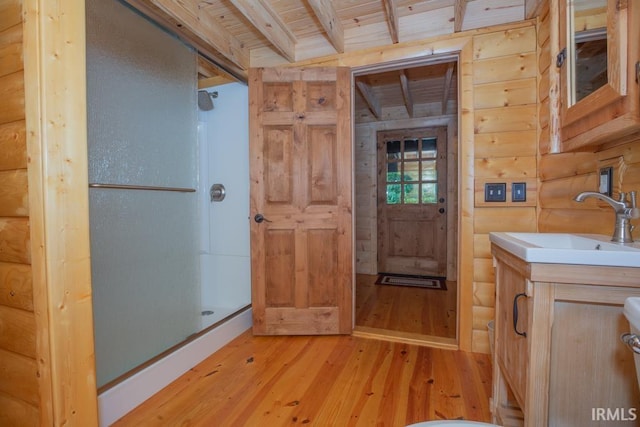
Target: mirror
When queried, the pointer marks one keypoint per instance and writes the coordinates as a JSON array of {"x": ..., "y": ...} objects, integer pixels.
[{"x": 587, "y": 32}]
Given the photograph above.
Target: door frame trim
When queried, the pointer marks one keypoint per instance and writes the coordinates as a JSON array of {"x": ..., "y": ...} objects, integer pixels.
[{"x": 465, "y": 192}]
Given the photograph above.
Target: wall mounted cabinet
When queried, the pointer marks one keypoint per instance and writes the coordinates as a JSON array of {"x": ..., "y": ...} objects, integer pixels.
[{"x": 597, "y": 57}]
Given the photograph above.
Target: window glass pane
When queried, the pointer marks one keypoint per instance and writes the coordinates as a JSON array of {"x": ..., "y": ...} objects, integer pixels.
[
  {"x": 393, "y": 150},
  {"x": 411, "y": 194},
  {"x": 411, "y": 175},
  {"x": 429, "y": 149},
  {"x": 590, "y": 61},
  {"x": 429, "y": 193},
  {"x": 393, "y": 175},
  {"x": 411, "y": 149},
  {"x": 429, "y": 172},
  {"x": 393, "y": 194}
]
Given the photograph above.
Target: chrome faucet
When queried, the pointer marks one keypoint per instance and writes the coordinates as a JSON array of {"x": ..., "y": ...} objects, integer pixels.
[{"x": 625, "y": 211}]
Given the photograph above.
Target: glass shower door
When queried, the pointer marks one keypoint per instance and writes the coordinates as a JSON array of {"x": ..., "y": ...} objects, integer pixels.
[{"x": 141, "y": 87}]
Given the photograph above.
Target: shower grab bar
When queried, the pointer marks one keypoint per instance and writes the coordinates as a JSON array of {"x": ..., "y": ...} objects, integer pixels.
[{"x": 142, "y": 187}]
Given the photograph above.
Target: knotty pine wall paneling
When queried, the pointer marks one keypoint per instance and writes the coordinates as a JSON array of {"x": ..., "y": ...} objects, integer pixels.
[
  {"x": 56, "y": 128},
  {"x": 505, "y": 71},
  {"x": 567, "y": 174},
  {"x": 19, "y": 392},
  {"x": 47, "y": 372}
]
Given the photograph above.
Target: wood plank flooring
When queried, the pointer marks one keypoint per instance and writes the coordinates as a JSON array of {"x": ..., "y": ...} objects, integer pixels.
[
  {"x": 406, "y": 309},
  {"x": 322, "y": 381}
]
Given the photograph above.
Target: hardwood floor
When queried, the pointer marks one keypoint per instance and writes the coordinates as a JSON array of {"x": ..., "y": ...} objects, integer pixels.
[
  {"x": 322, "y": 381},
  {"x": 406, "y": 309}
]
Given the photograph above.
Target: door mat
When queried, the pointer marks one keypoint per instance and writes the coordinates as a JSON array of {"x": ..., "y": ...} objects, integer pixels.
[{"x": 427, "y": 282}]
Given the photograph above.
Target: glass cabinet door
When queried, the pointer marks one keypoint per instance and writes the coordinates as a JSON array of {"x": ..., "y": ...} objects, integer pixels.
[
  {"x": 595, "y": 87},
  {"x": 593, "y": 59}
]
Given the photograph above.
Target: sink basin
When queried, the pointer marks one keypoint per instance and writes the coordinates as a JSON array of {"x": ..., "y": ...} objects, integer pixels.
[{"x": 565, "y": 248}]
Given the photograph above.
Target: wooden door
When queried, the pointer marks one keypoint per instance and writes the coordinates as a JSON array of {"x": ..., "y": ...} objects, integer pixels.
[
  {"x": 301, "y": 232},
  {"x": 412, "y": 191}
]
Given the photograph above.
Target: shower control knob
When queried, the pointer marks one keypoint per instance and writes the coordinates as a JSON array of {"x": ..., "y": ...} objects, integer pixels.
[{"x": 217, "y": 192}]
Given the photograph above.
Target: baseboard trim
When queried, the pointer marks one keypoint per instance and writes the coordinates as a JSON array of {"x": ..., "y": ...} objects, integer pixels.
[{"x": 120, "y": 399}]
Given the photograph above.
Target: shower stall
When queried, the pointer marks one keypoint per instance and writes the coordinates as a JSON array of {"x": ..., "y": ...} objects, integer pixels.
[
  {"x": 167, "y": 262},
  {"x": 223, "y": 187}
]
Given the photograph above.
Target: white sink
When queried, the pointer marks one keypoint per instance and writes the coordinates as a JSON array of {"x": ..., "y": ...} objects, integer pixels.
[{"x": 564, "y": 248}]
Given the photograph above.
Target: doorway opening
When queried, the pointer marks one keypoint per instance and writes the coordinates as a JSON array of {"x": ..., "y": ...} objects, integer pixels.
[{"x": 406, "y": 198}]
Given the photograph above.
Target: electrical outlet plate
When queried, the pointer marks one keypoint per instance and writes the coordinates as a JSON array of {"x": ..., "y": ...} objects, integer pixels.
[
  {"x": 495, "y": 192},
  {"x": 606, "y": 178}
]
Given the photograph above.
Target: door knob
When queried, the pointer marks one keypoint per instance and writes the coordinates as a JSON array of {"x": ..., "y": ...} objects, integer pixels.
[
  {"x": 441, "y": 210},
  {"x": 441, "y": 200},
  {"x": 260, "y": 218}
]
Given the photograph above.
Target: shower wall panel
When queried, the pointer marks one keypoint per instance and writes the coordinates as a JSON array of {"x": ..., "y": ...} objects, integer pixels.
[
  {"x": 225, "y": 254},
  {"x": 141, "y": 86}
]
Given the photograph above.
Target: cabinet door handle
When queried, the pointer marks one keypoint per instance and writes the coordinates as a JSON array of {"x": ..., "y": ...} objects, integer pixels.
[{"x": 515, "y": 315}]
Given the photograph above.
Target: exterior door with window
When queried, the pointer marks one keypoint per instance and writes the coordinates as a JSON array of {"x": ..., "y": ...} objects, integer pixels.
[
  {"x": 301, "y": 232},
  {"x": 412, "y": 187}
]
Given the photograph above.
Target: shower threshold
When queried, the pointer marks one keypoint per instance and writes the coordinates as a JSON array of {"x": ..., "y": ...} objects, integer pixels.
[{"x": 212, "y": 315}]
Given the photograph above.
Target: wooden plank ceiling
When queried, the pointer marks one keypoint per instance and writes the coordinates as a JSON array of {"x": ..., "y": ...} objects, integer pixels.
[{"x": 233, "y": 35}]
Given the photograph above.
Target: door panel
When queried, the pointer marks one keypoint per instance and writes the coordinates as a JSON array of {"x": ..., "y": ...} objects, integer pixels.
[
  {"x": 301, "y": 162},
  {"x": 280, "y": 263},
  {"x": 412, "y": 187},
  {"x": 278, "y": 149}
]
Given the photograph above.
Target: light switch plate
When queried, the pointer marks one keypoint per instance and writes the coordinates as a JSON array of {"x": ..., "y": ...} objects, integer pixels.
[
  {"x": 519, "y": 192},
  {"x": 495, "y": 192}
]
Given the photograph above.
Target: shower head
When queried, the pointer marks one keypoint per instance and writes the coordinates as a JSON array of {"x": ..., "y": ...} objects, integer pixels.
[{"x": 205, "y": 100}]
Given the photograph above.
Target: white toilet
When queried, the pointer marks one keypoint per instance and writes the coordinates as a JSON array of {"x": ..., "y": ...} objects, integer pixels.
[{"x": 632, "y": 339}]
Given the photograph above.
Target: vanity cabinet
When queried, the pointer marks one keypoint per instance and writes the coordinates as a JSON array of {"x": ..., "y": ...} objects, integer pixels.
[
  {"x": 558, "y": 355},
  {"x": 597, "y": 58}
]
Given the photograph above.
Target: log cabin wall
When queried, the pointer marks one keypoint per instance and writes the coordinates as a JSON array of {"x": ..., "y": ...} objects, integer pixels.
[
  {"x": 19, "y": 393},
  {"x": 505, "y": 130},
  {"x": 47, "y": 374},
  {"x": 564, "y": 175}
]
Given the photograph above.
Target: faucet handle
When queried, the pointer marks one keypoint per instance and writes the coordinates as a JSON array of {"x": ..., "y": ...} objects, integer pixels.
[
  {"x": 622, "y": 197},
  {"x": 632, "y": 194}
]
